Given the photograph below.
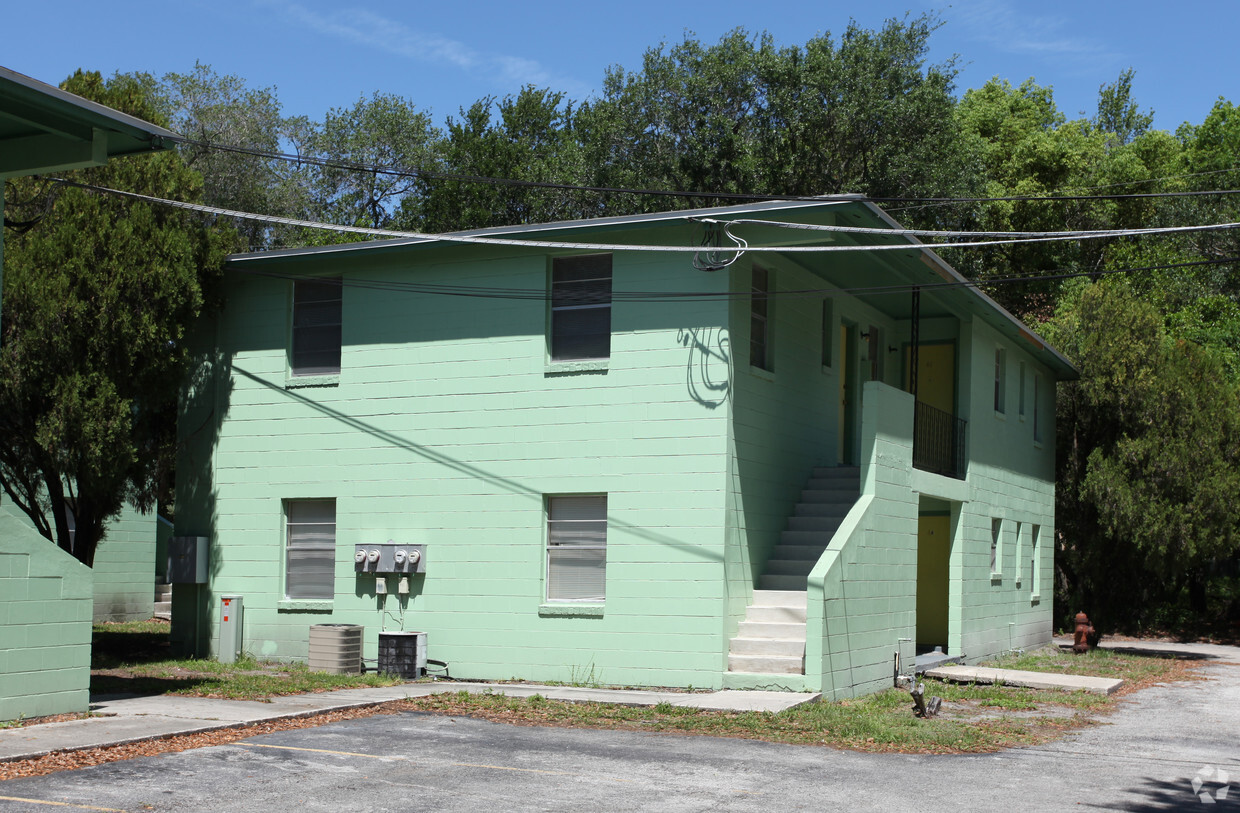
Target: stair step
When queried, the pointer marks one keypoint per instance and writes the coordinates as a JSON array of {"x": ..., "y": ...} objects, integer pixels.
[
  {"x": 769, "y": 581},
  {"x": 819, "y": 524},
  {"x": 759, "y": 629},
  {"x": 836, "y": 472},
  {"x": 783, "y": 647},
  {"x": 836, "y": 510},
  {"x": 829, "y": 492},
  {"x": 789, "y": 567},
  {"x": 776, "y": 615},
  {"x": 775, "y": 597},
  {"x": 804, "y": 539},
  {"x": 767, "y": 664},
  {"x": 810, "y": 553}
]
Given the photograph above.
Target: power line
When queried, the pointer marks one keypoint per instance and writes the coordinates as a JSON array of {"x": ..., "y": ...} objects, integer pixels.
[
  {"x": 401, "y": 172},
  {"x": 740, "y": 247}
]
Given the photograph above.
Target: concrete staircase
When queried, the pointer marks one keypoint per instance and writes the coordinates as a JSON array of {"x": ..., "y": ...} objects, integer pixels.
[
  {"x": 163, "y": 601},
  {"x": 771, "y": 639}
]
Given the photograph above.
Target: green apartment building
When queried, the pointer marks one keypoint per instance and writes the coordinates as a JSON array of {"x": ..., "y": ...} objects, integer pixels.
[{"x": 701, "y": 465}]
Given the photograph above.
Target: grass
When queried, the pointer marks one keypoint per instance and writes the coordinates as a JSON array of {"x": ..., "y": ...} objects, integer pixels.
[
  {"x": 1137, "y": 671},
  {"x": 134, "y": 658},
  {"x": 974, "y": 718}
]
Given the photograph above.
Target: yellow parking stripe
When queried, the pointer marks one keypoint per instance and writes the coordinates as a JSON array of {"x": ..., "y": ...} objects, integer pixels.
[{"x": 58, "y": 804}]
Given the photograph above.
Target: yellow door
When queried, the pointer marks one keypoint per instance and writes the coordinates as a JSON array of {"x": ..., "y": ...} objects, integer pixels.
[
  {"x": 933, "y": 552},
  {"x": 936, "y": 375}
]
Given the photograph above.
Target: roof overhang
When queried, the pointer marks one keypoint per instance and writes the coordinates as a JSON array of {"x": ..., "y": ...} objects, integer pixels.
[
  {"x": 894, "y": 272},
  {"x": 45, "y": 129}
]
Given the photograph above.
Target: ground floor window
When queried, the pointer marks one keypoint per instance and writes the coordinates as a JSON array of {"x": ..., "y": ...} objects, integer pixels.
[
  {"x": 576, "y": 548},
  {"x": 310, "y": 558}
]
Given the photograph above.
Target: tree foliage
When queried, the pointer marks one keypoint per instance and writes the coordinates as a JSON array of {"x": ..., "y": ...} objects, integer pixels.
[
  {"x": 1149, "y": 458},
  {"x": 98, "y": 294}
]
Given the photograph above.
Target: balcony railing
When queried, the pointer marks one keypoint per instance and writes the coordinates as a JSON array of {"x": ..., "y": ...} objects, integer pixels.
[{"x": 938, "y": 442}]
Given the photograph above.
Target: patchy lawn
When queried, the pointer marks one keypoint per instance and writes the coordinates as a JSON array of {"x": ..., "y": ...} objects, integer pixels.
[
  {"x": 1137, "y": 671},
  {"x": 133, "y": 658}
]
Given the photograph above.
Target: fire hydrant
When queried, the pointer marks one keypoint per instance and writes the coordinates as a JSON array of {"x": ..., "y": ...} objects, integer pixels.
[{"x": 1083, "y": 638}]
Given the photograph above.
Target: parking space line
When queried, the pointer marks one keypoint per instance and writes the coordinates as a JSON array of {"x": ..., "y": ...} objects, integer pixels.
[
  {"x": 398, "y": 757},
  {"x": 58, "y": 804},
  {"x": 319, "y": 751}
]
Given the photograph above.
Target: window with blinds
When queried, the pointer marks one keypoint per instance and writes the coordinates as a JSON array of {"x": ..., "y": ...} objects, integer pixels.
[
  {"x": 316, "y": 327},
  {"x": 310, "y": 564},
  {"x": 576, "y": 548},
  {"x": 581, "y": 307}
]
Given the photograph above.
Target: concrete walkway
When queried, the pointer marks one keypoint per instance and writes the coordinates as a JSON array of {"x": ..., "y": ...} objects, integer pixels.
[
  {"x": 134, "y": 719},
  {"x": 956, "y": 673}
]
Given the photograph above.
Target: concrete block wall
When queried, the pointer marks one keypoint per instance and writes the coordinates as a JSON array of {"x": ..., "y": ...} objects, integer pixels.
[
  {"x": 45, "y": 625},
  {"x": 1010, "y": 478},
  {"x": 448, "y": 427},
  {"x": 862, "y": 594},
  {"x": 125, "y": 568}
]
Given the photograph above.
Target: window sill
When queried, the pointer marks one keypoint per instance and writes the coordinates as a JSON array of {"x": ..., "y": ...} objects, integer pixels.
[
  {"x": 996, "y": 578},
  {"x": 827, "y": 369},
  {"x": 1000, "y": 416},
  {"x": 292, "y": 382},
  {"x": 765, "y": 375},
  {"x": 1035, "y": 599},
  {"x": 567, "y": 610},
  {"x": 305, "y": 605},
  {"x": 582, "y": 366}
]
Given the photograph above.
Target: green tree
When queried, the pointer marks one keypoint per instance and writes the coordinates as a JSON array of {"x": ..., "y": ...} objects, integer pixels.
[
  {"x": 528, "y": 137},
  {"x": 222, "y": 110},
  {"x": 1148, "y": 460},
  {"x": 865, "y": 113},
  {"x": 98, "y": 294},
  {"x": 383, "y": 131}
]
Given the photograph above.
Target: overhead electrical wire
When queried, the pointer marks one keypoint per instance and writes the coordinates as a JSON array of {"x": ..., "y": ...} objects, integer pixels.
[
  {"x": 402, "y": 172},
  {"x": 746, "y": 247}
]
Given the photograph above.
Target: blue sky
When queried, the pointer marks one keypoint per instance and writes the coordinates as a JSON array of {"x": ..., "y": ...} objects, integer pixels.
[{"x": 442, "y": 56}]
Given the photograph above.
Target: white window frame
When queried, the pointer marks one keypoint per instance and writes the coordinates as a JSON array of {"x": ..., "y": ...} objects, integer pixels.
[
  {"x": 581, "y": 527},
  {"x": 996, "y": 547},
  {"x": 303, "y": 552}
]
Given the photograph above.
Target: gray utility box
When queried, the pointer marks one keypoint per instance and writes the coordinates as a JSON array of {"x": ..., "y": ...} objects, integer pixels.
[
  {"x": 389, "y": 557},
  {"x": 231, "y": 618},
  {"x": 403, "y": 654},
  {"x": 187, "y": 560}
]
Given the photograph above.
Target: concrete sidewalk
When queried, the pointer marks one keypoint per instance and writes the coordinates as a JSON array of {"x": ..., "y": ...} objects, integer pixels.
[
  {"x": 956, "y": 673},
  {"x": 134, "y": 719}
]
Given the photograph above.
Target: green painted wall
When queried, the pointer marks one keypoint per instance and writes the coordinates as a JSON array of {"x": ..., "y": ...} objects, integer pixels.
[
  {"x": 447, "y": 426},
  {"x": 124, "y": 569},
  {"x": 45, "y": 618}
]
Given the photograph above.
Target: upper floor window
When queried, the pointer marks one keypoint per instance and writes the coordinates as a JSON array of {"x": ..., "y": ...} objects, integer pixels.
[
  {"x": 760, "y": 319},
  {"x": 581, "y": 307},
  {"x": 1000, "y": 379},
  {"x": 316, "y": 327}
]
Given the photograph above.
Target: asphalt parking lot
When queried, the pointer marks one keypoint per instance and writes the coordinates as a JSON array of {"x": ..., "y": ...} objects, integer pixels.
[{"x": 1144, "y": 757}]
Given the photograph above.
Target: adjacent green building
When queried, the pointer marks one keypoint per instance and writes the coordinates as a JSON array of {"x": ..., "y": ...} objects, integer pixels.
[{"x": 703, "y": 467}]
